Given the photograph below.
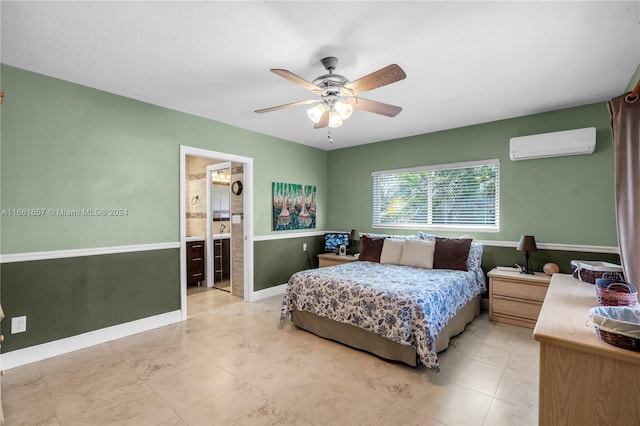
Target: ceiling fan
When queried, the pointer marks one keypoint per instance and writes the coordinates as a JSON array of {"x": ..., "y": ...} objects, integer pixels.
[{"x": 338, "y": 95}]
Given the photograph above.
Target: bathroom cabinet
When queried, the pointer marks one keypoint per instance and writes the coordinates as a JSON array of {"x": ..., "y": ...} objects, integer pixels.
[{"x": 195, "y": 262}]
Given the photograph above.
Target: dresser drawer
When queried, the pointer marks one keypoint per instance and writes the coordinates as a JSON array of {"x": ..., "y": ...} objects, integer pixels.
[
  {"x": 517, "y": 308},
  {"x": 195, "y": 276},
  {"x": 195, "y": 249},
  {"x": 195, "y": 261},
  {"x": 323, "y": 263},
  {"x": 195, "y": 271},
  {"x": 196, "y": 265},
  {"x": 329, "y": 259},
  {"x": 517, "y": 289}
]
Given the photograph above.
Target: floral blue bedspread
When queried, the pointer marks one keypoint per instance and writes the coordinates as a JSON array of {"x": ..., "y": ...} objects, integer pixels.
[{"x": 407, "y": 305}]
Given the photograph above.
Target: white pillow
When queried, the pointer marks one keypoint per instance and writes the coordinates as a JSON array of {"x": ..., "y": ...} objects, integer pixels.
[
  {"x": 392, "y": 251},
  {"x": 418, "y": 253}
]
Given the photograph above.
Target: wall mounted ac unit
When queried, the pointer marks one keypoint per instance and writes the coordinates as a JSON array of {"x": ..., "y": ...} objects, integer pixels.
[{"x": 555, "y": 144}]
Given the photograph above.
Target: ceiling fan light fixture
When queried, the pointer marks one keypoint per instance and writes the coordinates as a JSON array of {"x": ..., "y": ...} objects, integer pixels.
[
  {"x": 316, "y": 112},
  {"x": 334, "y": 119},
  {"x": 344, "y": 110}
]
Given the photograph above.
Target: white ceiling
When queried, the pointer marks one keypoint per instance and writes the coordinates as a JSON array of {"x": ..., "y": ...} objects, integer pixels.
[{"x": 466, "y": 62}]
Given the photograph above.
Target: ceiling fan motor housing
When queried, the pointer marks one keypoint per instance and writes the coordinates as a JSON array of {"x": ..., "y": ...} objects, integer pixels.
[
  {"x": 330, "y": 63},
  {"x": 332, "y": 83}
]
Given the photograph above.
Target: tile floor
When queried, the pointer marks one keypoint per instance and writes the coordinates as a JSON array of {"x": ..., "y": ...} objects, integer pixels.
[{"x": 230, "y": 363}]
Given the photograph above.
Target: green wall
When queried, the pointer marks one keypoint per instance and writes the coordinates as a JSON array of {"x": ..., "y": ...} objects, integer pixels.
[
  {"x": 274, "y": 252},
  {"x": 564, "y": 200},
  {"x": 70, "y": 296},
  {"x": 66, "y": 146}
]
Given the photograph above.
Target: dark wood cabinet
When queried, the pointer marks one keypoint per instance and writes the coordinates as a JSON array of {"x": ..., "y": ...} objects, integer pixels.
[{"x": 195, "y": 262}]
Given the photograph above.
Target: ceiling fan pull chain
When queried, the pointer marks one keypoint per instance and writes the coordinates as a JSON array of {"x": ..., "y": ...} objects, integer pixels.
[{"x": 329, "y": 135}]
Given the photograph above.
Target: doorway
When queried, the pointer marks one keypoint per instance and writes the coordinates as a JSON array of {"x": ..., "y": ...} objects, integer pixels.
[{"x": 241, "y": 221}]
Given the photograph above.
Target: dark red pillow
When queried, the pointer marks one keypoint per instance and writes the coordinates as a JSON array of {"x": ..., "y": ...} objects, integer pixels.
[
  {"x": 451, "y": 253},
  {"x": 370, "y": 248}
]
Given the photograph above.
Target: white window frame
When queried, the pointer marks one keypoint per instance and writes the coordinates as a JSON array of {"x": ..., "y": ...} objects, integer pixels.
[{"x": 429, "y": 225}]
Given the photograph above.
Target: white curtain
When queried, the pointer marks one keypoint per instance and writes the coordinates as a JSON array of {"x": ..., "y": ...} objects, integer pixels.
[{"x": 625, "y": 125}]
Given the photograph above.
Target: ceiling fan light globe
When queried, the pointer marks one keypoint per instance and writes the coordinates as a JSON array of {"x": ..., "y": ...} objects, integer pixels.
[
  {"x": 335, "y": 120},
  {"x": 316, "y": 112},
  {"x": 343, "y": 110}
]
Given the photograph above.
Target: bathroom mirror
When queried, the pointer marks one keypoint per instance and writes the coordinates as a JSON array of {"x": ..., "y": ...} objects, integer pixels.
[{"x": 220, "y": 200}]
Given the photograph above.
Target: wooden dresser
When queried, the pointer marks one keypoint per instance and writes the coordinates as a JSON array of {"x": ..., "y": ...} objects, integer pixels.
[
  {"x": 516, "y": 298},
  {"x": 330, "y": 259},
  {"x": 195, "y": 261},
  {"x": 583, "y": 381}
]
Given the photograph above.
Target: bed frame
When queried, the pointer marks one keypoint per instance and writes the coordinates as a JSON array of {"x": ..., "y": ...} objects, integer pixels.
[{"x": 365, "y": 340}]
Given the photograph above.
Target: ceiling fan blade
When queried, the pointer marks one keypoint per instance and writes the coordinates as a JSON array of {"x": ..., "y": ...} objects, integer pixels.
[
  {"x": 324, "y": 120},
  {"x": 292, "y": 104},
  {"x": 374, "y": 106},
  {"x": 298, "y": 80},
  {"x": 382, "y": 77}
]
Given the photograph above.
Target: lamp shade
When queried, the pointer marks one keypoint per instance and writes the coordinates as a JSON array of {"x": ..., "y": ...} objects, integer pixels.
[
  {"x": 316, "y": 112},
  {"x": 334, "y": 119},
  {"x": 353, "y": 235},
  {"x": 527, "y": 243},
  {"x": 343, "y": 110}
]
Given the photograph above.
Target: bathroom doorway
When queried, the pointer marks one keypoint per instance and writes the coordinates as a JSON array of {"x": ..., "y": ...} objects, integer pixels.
[{"x": 240, "y": 224}]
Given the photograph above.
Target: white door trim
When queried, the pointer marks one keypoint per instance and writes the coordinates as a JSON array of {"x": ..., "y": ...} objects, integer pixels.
[{"x": 247, "y": 194}]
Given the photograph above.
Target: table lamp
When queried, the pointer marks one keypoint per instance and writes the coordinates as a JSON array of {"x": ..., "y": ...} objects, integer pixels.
[{"x": 527, "y": 244}]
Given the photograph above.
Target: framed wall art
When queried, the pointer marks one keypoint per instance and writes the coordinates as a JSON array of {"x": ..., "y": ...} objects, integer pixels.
[{"x": 294, "y": 206}]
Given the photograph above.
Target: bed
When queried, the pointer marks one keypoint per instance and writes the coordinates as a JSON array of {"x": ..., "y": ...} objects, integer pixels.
[{"x": 392, "y": 309}]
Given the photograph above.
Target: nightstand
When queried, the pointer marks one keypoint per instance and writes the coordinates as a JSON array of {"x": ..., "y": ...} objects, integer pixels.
[
  {"x": 516, "y": 298},
  {"x": 330, "y": 259}
]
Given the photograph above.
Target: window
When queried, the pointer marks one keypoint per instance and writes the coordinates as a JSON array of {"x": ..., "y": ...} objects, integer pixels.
[{"x": 460, "y": 196}]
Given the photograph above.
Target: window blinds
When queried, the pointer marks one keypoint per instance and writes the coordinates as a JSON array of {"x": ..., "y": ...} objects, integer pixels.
[{"x": 447, "y": 196}]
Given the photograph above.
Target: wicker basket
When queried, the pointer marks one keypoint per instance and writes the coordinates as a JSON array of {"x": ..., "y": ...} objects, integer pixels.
[
  {"x": 589, "y": 271},
  {"x": 617, "y": 294},
  {"x": 617, "y": 325},
  {"x": 619, "y": 340}
]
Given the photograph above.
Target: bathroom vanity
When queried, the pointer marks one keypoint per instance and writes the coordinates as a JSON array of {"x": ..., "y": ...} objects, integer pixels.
[{"x": 195, "y": 260}]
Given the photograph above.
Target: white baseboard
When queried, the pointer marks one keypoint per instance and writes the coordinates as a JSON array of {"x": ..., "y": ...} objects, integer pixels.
[
  {"x": 268, "y": 292},
  {"x": 69, "y": 344}
]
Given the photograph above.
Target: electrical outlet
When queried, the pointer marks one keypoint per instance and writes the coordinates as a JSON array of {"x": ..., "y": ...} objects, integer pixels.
[
  {"x": 304, "y": 246},
  {"x": 18, "y": 324}
]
